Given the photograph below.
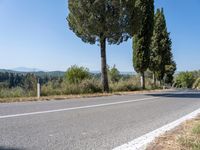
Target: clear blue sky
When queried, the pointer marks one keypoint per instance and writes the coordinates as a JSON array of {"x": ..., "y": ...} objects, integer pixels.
[{"x": 34, "y": 33}]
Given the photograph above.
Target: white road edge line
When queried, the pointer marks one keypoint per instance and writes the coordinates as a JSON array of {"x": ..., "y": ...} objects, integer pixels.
[
  {"x": 75, "y": 108},
  {"x": 142, "y": 142}
]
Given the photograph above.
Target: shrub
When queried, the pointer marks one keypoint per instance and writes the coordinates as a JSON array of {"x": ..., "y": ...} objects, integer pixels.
[
  {"x": 131, "y": 84},
  {"x": 185, "y": 80},
  {"x": 15, "y": 92},
  {"x": 114, "y": 74},
  {"x": 196, "y": 84},
  {"x": 77, "y": 74},
  {"x": 51, "y": 88},
  {"x": 90, "y": 86}
]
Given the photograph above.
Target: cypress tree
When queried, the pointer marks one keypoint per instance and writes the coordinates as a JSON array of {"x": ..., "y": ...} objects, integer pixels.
[
  {"x": 142, "y": 39},
  {"x": 100, "y": 21},
  {"x": 161, "y": 57}
]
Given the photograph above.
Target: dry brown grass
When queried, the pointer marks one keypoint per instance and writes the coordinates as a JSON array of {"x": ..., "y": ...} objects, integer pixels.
[
  {"x": 184, "y": 137},
  {"x": 61, "y": 97}
]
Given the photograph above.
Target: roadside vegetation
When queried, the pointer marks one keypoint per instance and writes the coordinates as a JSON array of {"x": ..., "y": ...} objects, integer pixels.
[
  {"x": 184, "y": 137},
  {"x": 188, "y": 79},
  {"x": 76, "y": 80},
  {"x": 112, "y": 23}
]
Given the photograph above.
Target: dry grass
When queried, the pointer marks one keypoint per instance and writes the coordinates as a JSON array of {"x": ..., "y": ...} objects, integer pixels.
[
  {"x": 184, "y": 137},
  {"x": 61, "y": 97}
]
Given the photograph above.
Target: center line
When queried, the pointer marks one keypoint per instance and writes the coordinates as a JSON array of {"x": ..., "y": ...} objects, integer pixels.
[{"x": 74, "y": 108}]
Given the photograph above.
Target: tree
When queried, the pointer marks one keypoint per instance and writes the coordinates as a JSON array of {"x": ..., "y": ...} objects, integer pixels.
[
  {"x": 185, "y": 80},
  {"x": 161, "y": 57},
  {"x": 114, "y": 74},
  {"x": 76, "y": 74},
  {"x": 30, "y": 82},
  {"x": 142, "y": 39},
  {"x": 101, "y": 21}
]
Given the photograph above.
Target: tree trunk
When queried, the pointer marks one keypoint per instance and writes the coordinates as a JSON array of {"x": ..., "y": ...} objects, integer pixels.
[
  {"x": 104, "y": 75},
  {"x": 160, "y": 82},
  {"x": 154, "y": 79},
  {"x": 142, "y": 80}
]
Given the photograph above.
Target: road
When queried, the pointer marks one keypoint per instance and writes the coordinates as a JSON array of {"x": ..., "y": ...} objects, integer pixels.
[{"x": 101, "y": 123}]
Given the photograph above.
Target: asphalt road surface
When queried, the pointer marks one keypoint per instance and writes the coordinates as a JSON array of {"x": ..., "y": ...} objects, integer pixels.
[{"x": 101, "y": 123}]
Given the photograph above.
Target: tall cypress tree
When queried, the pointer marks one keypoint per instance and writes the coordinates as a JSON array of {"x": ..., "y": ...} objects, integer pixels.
[
  {"x": 100, "y": 21},
  {"x": 161, "y": 57},
  {"x": 142, "y": 39},
  {"x": 156, "y": 47}
]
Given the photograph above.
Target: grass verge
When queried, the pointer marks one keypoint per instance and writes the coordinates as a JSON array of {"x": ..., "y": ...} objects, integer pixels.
[
  {"x": 184, "y": 137},
  {"x": 62, "y": 97}
]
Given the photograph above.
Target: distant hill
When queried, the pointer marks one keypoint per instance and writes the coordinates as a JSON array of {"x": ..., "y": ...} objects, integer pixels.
[
  {"x": 24, "y": 69},
  {"x": 37, "y": 73}
]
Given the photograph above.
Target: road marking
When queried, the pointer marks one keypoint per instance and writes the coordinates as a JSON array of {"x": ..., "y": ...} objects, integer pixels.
[
  {"x": 142, "y": 142},
  {"x": 75, "y": 108}
]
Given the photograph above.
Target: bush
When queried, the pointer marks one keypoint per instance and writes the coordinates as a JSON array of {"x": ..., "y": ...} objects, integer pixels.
[
  {"x": 51, "y": 88},
  {"x": 15, "y": 92},
  {"x": 75, "y": 74},
  {"x": 90, "y": 86},
  {"x": 66, "y": 88},
  {"x": 113, "y": 74},
  {"x": 184, "y": 80},
  {"x": 86, "y": 86},
  {"x": 196, "y": 84},
  {"x": 131, "y": 84}
]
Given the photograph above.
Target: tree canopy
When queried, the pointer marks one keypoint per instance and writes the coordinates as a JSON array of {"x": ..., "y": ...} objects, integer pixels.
[
  {"x": 161, "y": 57},
  {"x": 142, "y": 39},
  {"x": 102, "y": 21}
]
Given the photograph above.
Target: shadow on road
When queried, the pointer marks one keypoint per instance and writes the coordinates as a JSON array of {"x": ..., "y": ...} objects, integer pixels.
[
  {"x": 10, "y": 148},
  {"x": 178, "y": 95}
]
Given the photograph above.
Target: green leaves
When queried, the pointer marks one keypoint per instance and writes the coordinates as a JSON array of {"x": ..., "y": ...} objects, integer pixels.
[
  {"x": 161, "y": 57},
  {"x": 185, "y": 80},
  {"x": 76, "y": 74},
  {"x": 90, "y": 18},
  {"x": 102, "y": 21},
  {"x": 142, "y": 38}
]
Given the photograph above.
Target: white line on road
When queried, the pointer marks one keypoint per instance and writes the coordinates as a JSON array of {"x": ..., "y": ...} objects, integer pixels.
[
  {"x": 75, "y": 108},
  {"x": 142, "y": 142}
]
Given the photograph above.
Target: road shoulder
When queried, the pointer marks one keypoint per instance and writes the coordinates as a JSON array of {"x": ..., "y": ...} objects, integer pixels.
[{"x": 186, "y": 136}]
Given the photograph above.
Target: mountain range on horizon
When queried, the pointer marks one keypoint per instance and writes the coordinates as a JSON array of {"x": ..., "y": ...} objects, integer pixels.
[
  {"x": 37, "y": 70},
  {"x": 25, "y": 69}
]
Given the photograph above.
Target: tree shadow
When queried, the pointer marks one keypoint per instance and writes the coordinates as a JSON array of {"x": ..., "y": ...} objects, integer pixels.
[
  {"x": 178, "y": 95},
  {"x": 10, "y": 148}
]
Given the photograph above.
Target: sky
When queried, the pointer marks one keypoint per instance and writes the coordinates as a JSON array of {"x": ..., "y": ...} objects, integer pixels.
[{"x": 35, "y": 34}]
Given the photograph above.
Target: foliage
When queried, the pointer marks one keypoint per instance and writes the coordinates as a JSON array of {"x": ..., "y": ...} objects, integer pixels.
[
  {"x": 184, "y": 80},
  {"x": 30, "y": 82},
  {"x": 196, "y": 84},
  {"x": 76, "y": 74},
  {"x": 100, "y": 21},
  {"x": 161, "y": 57},
  {"x": 90, "y": 86},
  {"x": 130, "y": 84},
  {"x": 114, "y": 74},
  {"x": 65, "y": 88},
  {"x": 15, "y": 92},
  {"x": 169, "y": 72},
  {"x": 142, "y": 39}
]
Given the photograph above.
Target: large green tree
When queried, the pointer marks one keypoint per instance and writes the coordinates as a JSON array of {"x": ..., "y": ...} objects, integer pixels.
[
  {"x": 142, "y": 39},
  {"x": 161, "y": 58},
  {"x": 101, "y": 21}
]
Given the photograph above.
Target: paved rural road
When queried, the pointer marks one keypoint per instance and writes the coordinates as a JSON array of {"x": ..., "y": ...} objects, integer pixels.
[{"x": 92, "y": 123}]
